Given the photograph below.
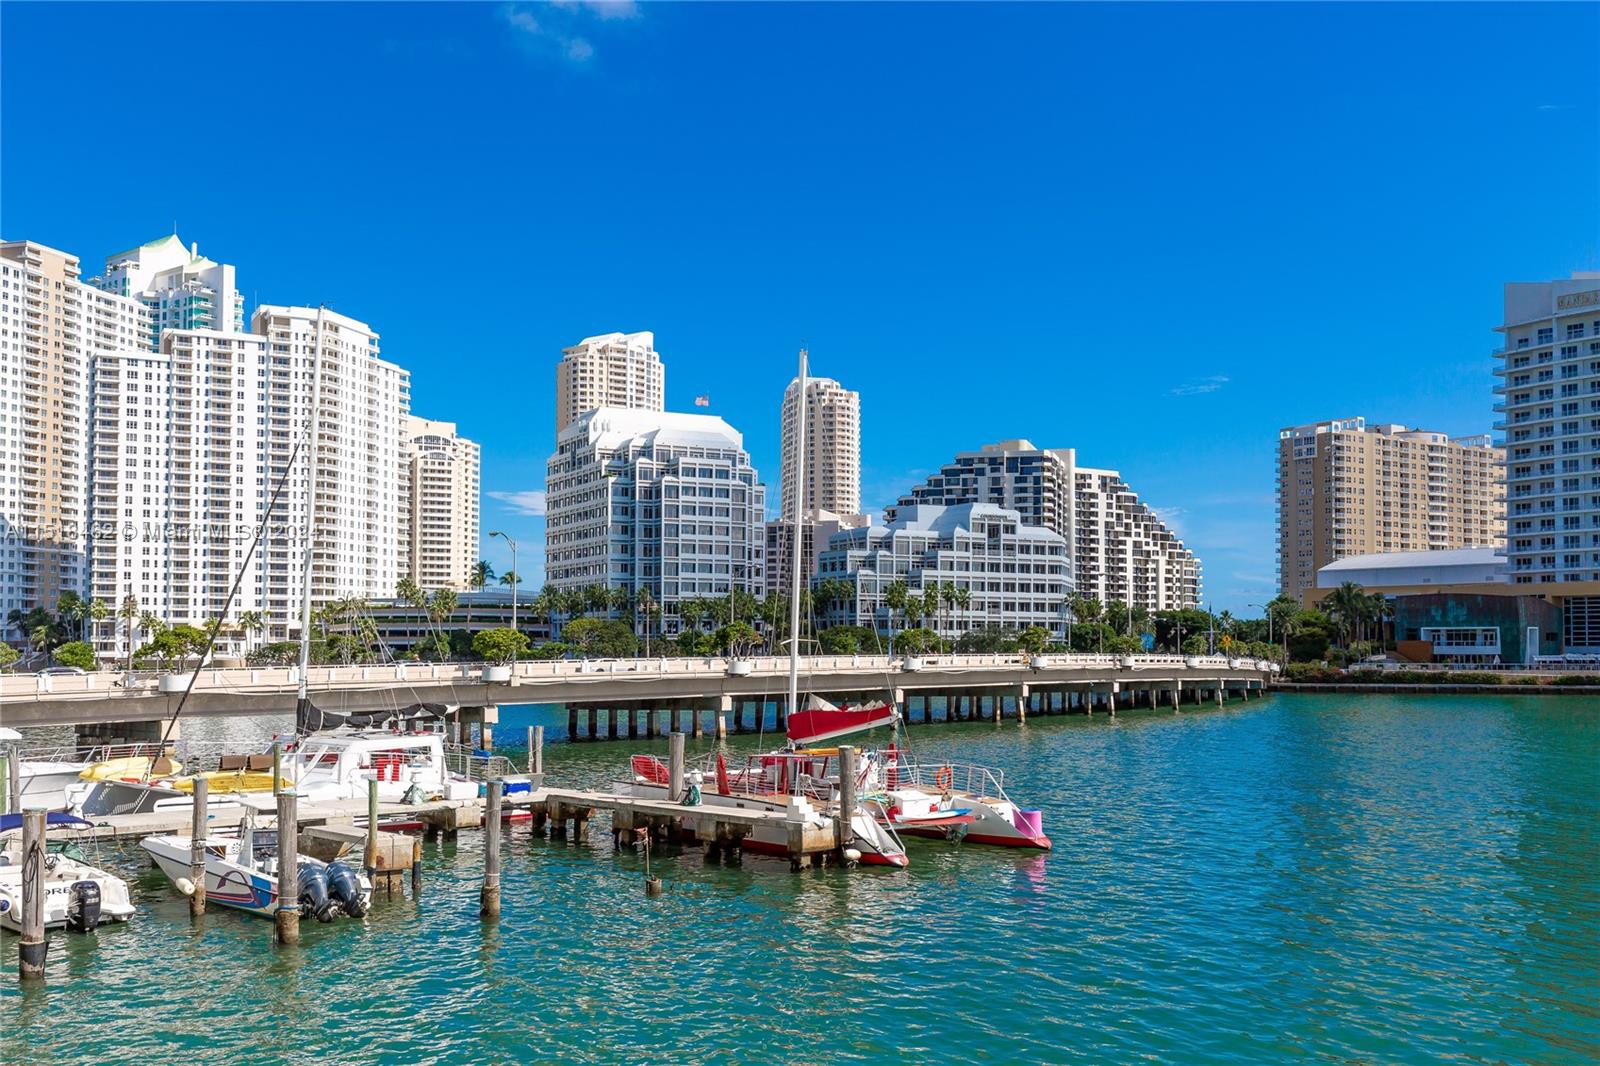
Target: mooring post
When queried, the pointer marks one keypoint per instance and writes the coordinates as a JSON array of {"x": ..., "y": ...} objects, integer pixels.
[
  {"x": 675, "y": 767},
  {"x": 31, "y": 952},
  {"x": 286, "y": 920},
  {"x": 13, "y": 781},
  {"x": 722, "y": 727},
  {"x": 695, "y": 725},
  {"x": 277, "y": 767},
  {"x": 489, "y": 905},
  {"x": 536, "y": 750},
  {"x": 416, "y": 868},
  {"x": 845, "y": 831},
  {"x": 197, "y": 847},
  {"x": 369, "y": 858}
]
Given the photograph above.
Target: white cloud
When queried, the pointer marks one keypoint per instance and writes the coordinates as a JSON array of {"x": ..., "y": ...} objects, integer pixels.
[
  {"x": 530, "y": 502},
  {"x": 559, "y": 28},
  {"x": 1200, "y": 386}
]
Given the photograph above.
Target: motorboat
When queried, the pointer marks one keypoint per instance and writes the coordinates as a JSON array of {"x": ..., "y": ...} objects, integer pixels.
[
  {"x": 958, "y": 801},
  {"x": 77, "y": 896},
  {"x": 409, "y": 768},
  {"x": 242, "y": 872}
]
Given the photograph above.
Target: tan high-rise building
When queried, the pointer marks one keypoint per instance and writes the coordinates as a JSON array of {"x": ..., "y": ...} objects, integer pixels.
[
  {"x": 1347, "y": 488},
  {"x": 833, "y": 448},
  {"x": 619, "y": 370},
  {"x": 438, "y": 505},
  {"x": 51, "y": 327}
]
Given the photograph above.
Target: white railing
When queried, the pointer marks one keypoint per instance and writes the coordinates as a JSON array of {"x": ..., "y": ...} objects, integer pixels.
[{"x": 279, "y": 679}]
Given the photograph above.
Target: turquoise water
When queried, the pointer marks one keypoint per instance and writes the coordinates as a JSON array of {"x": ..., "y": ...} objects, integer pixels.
[{"x": 1354, "y": 879}]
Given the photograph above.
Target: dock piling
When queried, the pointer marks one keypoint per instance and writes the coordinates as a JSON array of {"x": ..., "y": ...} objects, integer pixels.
[
  {"x": 536, "y": 749},
  {"x": 675, "y": 767},
  {"x": 197, "y": 847},
  {"x": 846, "y": 832},
  {"x": 489, "y": 900},
  {"x": 13, "y": 791},
  {"x": 722, "y": 727},
  {"x": 31, "y": 952},
  {"x": 369, "y": 858},
  {"x": 286, "y": 921},
  {"x": 277, "y": 767},
  {"x": 416, "y": 869}
]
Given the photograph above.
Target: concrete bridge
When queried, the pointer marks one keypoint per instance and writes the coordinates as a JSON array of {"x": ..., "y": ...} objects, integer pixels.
[{"x": 719, "y": 686}]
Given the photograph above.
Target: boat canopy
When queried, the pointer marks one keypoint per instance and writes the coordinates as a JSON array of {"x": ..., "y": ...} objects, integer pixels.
[
  {"x": 310, "y": 718},
  {"x": 8, "y": 822}
]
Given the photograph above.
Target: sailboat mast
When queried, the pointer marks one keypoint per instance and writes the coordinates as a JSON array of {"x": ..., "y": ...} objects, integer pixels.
[
  {"x": 310, "y": 519},
  {"x": 796, "y": 536}
]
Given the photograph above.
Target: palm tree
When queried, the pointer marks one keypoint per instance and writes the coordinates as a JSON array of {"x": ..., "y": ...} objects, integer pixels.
[
  {"x": 960, "y": 598},
  {"x": 479, "y": 576},
  {"x": 916, "y": 605},
  {"x": 441, "y": 605},
  {"x": 646, "y": 608},
  {"x": 129, "y": 613},
  {"x": 72, "y": 608},
  {"x": 408, "y": 591},
  {"x": 98, "y": 612},
  {"x": 251, "y": 622},
  {"x": 1349, "y": 604},
  {"x": 894, "y": 598},
  {"x": 692, "y": 612},
  {"x": 597, "y": 599}
]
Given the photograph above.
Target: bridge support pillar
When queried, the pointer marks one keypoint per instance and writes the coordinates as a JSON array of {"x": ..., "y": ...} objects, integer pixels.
[
  {"x": 572, "y": 721},
  {"x": 1111, "y": 699},
  {"x": 1219, "y": 694},
  {"x": 1023, "y": 695},
  {"x": 1176, "y": 694},
  {"x": 694, "y": 723}
]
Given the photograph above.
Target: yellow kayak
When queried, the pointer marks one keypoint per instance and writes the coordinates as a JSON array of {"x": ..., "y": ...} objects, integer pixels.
[
  {"x": 130, "y": 767},
  {"x": 232, "y": 781}
]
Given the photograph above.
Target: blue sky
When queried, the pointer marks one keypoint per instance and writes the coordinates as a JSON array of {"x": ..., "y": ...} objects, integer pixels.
[{"x": 1156, "y": 234}]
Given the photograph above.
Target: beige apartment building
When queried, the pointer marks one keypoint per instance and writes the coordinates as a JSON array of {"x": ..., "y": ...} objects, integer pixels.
[
  {"x": 620, "y": 370},
  {"x": 438, "y": 505},
  {"x": 833, "y": 448},
  {"x": 1348, "y": 488}
]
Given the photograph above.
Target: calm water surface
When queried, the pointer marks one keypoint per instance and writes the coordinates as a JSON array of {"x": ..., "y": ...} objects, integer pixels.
[{"x": 1305, "y": 878}]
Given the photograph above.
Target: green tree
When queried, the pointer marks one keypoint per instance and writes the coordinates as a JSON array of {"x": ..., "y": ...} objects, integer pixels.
[
  {"x": 895, "y": 595},
  {"x": 839, "y": 640},
  {"x": 8, "y": 656},
  {"x": 601, "y": 638},
  {"x": 737, "y": 639},
  {"x": 692, "y": 612},
  {"x": 917, "y": 641},
  {"x": 251, "y": 624},
  {"x": 500, "y": 645},
  {"x": 79, "y": 653},
  {"x": 441, "y": 605},
  {"x": 408, "y": 591},
  {"x": 1034, "y": 640},
  {"x": 128, "y": 612}
]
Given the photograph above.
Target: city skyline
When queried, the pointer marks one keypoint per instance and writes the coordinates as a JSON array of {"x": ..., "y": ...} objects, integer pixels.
[{"x": 1195, "y": 333}]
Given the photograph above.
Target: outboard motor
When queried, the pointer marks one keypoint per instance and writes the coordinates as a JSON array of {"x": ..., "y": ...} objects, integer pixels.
[
  {"x": 314, "y": 892},
  {"x": 83, "y": 907},
  {"x": 344, "y": 887}
]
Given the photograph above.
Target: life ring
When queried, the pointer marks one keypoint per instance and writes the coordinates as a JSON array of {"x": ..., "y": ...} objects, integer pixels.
[{"x": 945, "y": 778}]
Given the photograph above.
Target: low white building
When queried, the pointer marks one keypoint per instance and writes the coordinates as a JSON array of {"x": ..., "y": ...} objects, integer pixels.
[
  {"x": 1415, "y": 570},
  {"x": 1015, "y": 575}
]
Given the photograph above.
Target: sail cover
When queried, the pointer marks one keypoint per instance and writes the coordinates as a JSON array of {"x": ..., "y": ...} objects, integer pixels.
[
  {"x": 309, "y": 718},
  {"x": 824, "y": 721}
]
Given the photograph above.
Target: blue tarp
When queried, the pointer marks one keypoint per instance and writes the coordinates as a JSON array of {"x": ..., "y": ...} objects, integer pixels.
[{"x": 14, "y": 821}]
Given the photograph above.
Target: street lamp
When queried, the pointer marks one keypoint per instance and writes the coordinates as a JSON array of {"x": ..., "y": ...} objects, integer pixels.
[{"x": 514, "y": 575}]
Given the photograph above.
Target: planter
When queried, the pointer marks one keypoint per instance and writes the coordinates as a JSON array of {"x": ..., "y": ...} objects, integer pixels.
[
  {"x": 500, "y": 673},
  {"x": 739, "y": 667},
  {"x": 1040, "y": 662},
  {"x": 911, "y": 664},
  {"x": 1126, "y": 662},
  {"x": 1192, "y": 662},
  {"x": 174, "y": 682}
]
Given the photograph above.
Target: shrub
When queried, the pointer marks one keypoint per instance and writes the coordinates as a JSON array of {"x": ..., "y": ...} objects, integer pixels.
[
  {"x": 1524, "y": 679},
  {"x": 279, "y": 653},
  {"x": 1475, "y": 677},
  {"x": 78, "y": 653},
  {"x": 499, "y": 645},
  {"x": 1577, "y": 679}
]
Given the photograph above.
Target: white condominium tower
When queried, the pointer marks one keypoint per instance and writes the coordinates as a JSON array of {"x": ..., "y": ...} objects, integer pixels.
[
  {"x": 51, "y": 327},
  {"x": 833, "y": 448},
  {"x": 439, "y": 505},
  {"x": 1549, "y": 388},
  {"x": 179, "y": 481},
  {"x": 657, "y": 501},
  {"x": 1121, "y": 549},
  {"x": 614, "y": 370},
  {"x": 360, "y": 401},
  {"x": 182, "y": 288}
]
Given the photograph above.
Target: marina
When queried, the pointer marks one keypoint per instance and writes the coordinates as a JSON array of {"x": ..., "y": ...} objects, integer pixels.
[{"x": 1420, "y": 825}]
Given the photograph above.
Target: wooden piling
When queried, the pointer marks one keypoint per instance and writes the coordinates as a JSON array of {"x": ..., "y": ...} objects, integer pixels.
[
  {"x": 722, "y": 727},
  {"x": 286, "y": 920},
  {"x": 369, "y": 858},
  {"x": 13, "y": 781},
  {"x": 536, "y": 749},
  {"x": 197, "y": 847},
  {"x": 572, "y": 722},
  {"x": 489, "y": 899},
  {"x": 416, "y": 868},
  {"x": 31, "y": 952},
  {"x": 696, "y": 725},
  {"x": 277, "y": 768},
  {"x": 845, "y": 828},
  {"x": 675, "y": 767}
]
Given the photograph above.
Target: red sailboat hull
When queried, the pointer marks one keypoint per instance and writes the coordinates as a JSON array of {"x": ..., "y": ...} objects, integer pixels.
[{"x": 817, "y": 724}]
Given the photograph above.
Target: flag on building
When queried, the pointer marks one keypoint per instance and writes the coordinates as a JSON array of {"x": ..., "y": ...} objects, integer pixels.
[{"x": 702, "y": 401}]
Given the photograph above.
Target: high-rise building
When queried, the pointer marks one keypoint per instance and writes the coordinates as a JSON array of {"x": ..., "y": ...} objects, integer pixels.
[
  {"x": 51, "y": 327},
  {"x": 439, "y": 505},
  {"x": 1549, "y": 388},
  {"x": 1120, "y": 547},
  {"x": 182, "y": 288},
  {"x": 833, "y": 448},
  {"x": 178, "y": 481},
  {"x": 1015, "y": 575},
  {"x": 659, "y": 501},
  {"x": 360, "y": 401},
  {"x": 1348, "y": 488},
  {"x": 816, "y": 529},
  {"x": 619, "y": 370}
]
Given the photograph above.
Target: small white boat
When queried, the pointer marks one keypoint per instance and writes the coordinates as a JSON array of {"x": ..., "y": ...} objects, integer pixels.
[
  {"x": 954, "y": 800},
  {"x": 77, "y": 896},
  {"x": 242, "y": 873}
]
